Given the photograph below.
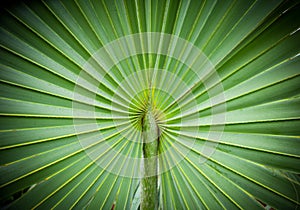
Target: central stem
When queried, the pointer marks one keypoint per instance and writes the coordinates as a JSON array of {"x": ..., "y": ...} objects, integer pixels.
[{"x": 150, "y": 129}]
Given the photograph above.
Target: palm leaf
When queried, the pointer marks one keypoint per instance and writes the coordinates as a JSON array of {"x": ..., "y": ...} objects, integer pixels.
[{"x": 224, "y": 80}]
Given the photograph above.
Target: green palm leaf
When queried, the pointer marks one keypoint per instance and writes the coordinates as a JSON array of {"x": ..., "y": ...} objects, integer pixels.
[{"x": 222, "y": 78}]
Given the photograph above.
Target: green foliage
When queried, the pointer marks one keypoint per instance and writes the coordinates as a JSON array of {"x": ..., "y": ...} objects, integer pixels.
[{"x": 71, "y": 133}]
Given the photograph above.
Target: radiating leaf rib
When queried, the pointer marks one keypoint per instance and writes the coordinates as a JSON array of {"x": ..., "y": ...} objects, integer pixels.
[
  {"x": 278, "y": 186},
  {"x": 269, "y": 159},
  {"x": 52, "y": 184},
  {"x": 216, "y": 18},
  {"x": 122, "y": 192},
  {"x": 287, "y": 64},
  {"x": 82, "y": 97},
  {"x": 59, "y": 196},
  {"x": 170, "y": 195},
  {"x": 280, "y": 50},
  {"x": 280, "y": 200},
  {"x": 68, "y": 195},
  {"x": 239, "y": 199},
  {"x": 252, "y": 97},
  {"x": 24, "y": 137},
  {"x": 94, "y": 73},
  {"x": 126, "y": 27},
  {"x": 23, "y": 50},
  {"x": 288, "y": 128},
  {"x": 187, "y": 189},
  {"x": 267, "y": 143},
  {"x": 260, "y": 11},
  {"x": 29, "y": 151},
  {"x": 125, "y": 193},
  {"x": 282, "y": 189},
  {"x": 37, "y": 177},
  {"x": 274, "y": 55},
  {"x": 238, "y": 13},
  {"x": 35, "y": 164},
  {"x": 92, "y": 187},
  {"x": 37, "y": 25},
  {"x": 186, "y": 196},
  {"x": 276, "y": 19},
  {"x": 203, "y": 191},
  {"x": 283, "y": 109},
  {"x": 23, "y": 123},
  {"x": 81, "y": 102},
  {"x": 62, "y": 13},
  {"x": 54, "y": 198},
  {"x": 284, "y": 89},
  {"x": 100, "y": 197},
  {"x": 43, "y": 13}
]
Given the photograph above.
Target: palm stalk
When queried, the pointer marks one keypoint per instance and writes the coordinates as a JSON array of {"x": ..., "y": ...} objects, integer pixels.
[{"x": 149, "y": 197}]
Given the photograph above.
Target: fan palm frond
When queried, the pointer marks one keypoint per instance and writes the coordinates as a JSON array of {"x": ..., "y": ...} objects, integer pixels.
[{"x": 222, "y": 78}]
